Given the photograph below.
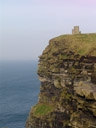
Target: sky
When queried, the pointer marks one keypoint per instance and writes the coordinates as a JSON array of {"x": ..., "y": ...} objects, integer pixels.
[{"x": 26, "y": 26}]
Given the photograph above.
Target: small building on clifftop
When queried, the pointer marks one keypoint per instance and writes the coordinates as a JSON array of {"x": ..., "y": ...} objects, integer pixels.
[{"x": 76, "y": 30}]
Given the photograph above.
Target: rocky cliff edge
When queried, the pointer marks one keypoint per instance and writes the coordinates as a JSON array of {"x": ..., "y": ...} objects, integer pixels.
[{"x": 67, "y": 72}]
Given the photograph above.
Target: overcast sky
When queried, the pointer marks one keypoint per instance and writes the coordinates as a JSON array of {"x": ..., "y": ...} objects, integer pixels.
[{"x": 26, "y": 26}]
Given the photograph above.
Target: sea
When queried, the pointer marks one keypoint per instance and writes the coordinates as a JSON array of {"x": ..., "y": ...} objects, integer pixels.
[{"x": 19, "y": 89}]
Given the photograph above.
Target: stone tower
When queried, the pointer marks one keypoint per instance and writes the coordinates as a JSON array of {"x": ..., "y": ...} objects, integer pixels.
[{"x": 76, "y": 30}]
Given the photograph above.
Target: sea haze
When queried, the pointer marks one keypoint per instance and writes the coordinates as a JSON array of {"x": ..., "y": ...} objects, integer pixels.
[{"x": 19, "y": 89}]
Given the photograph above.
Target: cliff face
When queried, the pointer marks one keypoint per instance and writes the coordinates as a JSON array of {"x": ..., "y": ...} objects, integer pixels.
[{"x": 67, "y": 71}]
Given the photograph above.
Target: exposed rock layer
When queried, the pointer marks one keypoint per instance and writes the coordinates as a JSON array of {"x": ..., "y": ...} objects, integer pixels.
[{"x": 67, "y": 71}]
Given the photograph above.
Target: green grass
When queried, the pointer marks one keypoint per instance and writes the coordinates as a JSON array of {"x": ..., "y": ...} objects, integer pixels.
[
  {"x": 42, "y": 109},
  {"x": 81, "y": 52},
  {"x": 84, "y": 44}
]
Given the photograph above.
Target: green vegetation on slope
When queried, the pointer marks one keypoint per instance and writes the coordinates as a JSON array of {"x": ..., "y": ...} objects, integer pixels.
[
  {"x": 82, "y": 44},
  {"x": 42, "y": 109}
]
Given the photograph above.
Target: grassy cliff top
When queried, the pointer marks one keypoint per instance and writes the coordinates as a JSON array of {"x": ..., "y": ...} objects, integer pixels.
[{"x": 82, "y": 44}]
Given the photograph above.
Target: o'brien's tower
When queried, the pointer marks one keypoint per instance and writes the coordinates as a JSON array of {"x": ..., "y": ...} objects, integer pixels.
[{"x": 76, "y": 30}]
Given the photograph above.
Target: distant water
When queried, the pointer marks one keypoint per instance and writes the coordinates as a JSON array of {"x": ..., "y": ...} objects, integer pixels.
[{"x": 19, "y": 89}]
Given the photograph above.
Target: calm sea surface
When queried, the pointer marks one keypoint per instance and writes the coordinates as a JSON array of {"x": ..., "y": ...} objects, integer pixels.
[{"x": 19, "y": 89}]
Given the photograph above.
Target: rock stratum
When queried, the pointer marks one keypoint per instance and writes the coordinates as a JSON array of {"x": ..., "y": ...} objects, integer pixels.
[{"x": 67, "y": 72}]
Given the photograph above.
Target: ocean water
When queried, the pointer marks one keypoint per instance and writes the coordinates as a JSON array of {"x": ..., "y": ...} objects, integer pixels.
[{"x": 19, "y": 89}]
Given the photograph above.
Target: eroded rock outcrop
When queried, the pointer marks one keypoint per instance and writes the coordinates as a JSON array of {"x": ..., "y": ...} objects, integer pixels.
[{"x": 67, "y": 71}]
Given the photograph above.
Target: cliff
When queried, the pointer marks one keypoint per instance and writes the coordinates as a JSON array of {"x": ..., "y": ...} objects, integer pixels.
[{"x": 67, "y": 71}]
